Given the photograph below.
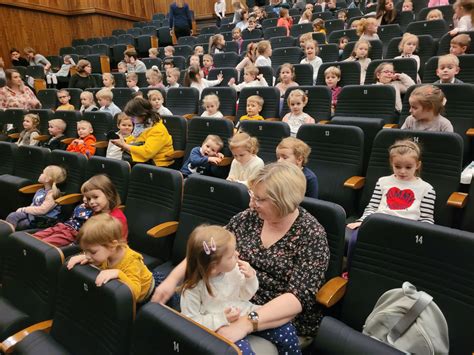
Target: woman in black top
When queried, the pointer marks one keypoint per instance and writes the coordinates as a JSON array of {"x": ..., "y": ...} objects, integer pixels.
[
  {"x": 180, "y": 19},
  {"x": 387, "y": 13},
  {"x": 83, "y": 78}
]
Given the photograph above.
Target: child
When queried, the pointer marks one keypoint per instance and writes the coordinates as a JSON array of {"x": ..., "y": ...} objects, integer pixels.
[
  {"x": 248, "y": 59},
  {"x": 153, "y": 53},
  {"x": 208, "y": 64},
  {"x": 238, "y": 6},
  {"x": 426, "y": 105},
  {"x": 193, "y": 79},
  {"x": 264, "y": 52},
  {"x": 243, "y": 23},
  {"x": 211, "y": 104},
  {"x": 30, "y": 131},
  {"x": 285, "y": 20},
  {"x": 407, "y": 6},
  {"x": 217, "y": 287},
  {"x": 169, "y": 51},
  {"x": 252, "y": 78},
  {"x": 198, "y": 50},
  {"x": 361, "y": 55},
  {"x": 297, "y": 100},
  {"x": 367, "y": 29},
  {"x": 154, "y": 78},
  {"x": 295, "y": 151},
  {"x": 125, "y": 126},
  {"x": 448, "y": 67},
  {"x": 64, "y": 97},
  {"x": 465, "y": 12},
  {"x": 355, "y": 24},
  {"x": 56, "y": 128},
  {"x": 216, "y": 44},
  {"x": 312, "y": 51},
  {"x": 460, "y": 44},
  {"x": 202, "y": 158},
  {"x": 342, "y": 44},
  {"x": 306, "y": 17},
  {"x": 287, "y": 76},
  {"x": 168, "y": 63},
  {"x": 434, "y": 15},
  {"x": 252, "y": 26},
  {"x": 87, "y": 102},
  {"x": 194, "y": 60},
  {"x": 246, "y": 162},
  {"x": 332, "y": 76},
  {"x": 43, "y": 209},
  {"x": 101, "y": 240},
  {"x": 219, "y": 10},
  {"x": 318, "y": 26},
  {"x": 172, "y": 78},
  {"x": 85, "y": 144},
  {"x": 385, "y": 74},
  {"x": 104, "y": 98},
  {"x": 122, "y": 67},
  {"x": 408, "y": 45},
  {"x": 134, "y": 65},
  {"x": 342, "y": 15},
  {"x": 308, "y": 36},
  {"x": 156, "y": 99},
  {"x": 63, "y": 72},
  {"x": 132, "y": 81},
  {"x": 254, "y": 107},
  {"x": 237, "y": 37}
]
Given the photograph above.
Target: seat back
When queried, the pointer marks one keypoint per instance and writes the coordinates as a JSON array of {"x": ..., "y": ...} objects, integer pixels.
[
  {"x": 8, "y": 153},
  {"x": 402, "y": 65},
  {"x": 122, "y": 96},
  {"x": 120, "y": 80},
  {"x": 335, "y": 35},
  {"x": 182, "y": 100},
  {"x": 271, "y": 98},
  {"x": 118, "y": 172},
  {"x": 71, "y": 118},
  {"x": 48, "y": 98},
  {"x": 187, "y": 40},
  {"x": 149, "y": 62},
  {"x": 14, "y": 117},
  {"x": 387, "y": 32},
  {"x": 256, "y": 34},
  {"x": 35, "y": 71},
  {"x": 75, "y": 165},
  {"x": 334, "y": 25},
  {"x": 298, "y": 29},
  {"x": 282, "y": 41},
  {"x": 30, "y": 162},
  {"x": 290, "y": 55},
  {"x": 435, "y": 28},
  {"x": 227, "y": 74},
  {"x": 384, "y": 257},
  {"x": 274, "y": 31},
  {"x": 227, "y": 98},
  {"x": 75, "y": 94},
  {"x": 200, "y": 127},
  {"x": 328, "y": 52},
  {"x": 319, "y": 101},
  {"x": 207, "y": 200},
  {"x": 226, "y": 59},
  {"x": 102, "y": 123},
  {"x": 350, "y": 73},
  {"x": 269, "y": 135},
  {"x": 177, "y": 126},
  {"x": 303, "y": 74}
]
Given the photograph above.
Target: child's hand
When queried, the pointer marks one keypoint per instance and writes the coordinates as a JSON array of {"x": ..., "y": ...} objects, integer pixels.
[
  {"x": 246, "y": 269},
  {"x": 214, "y": 160},
  {"x": 260, "y": 76},
  {"x": 220, "y": 76},
  {"x": 220, "y": 155},
  {"x": 77, "y": 259},
  {"x": 105, "y": 276},
  {"x": 396, "y": 76},
  {"x": 232, "y": 314},
  {"x": 354, "y": 225},
  {"x": 78, "y": 141},
  {"x": 454, "y": 32},
  {"x": 20, "y": 209},
  {"x": 231, "y": 81}
]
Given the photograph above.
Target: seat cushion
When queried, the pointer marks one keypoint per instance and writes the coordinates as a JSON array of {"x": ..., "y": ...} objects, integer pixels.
[
  {"x": 40, "y": 343},
  {"x": 12, "y": 319},
  {"x": 150, "y": 261}
]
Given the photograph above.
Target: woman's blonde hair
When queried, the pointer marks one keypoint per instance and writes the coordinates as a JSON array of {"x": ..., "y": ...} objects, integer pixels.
[
  {"x": 101, "y": 229},
  {"x": 242, "y": 139},
  {"x": 206, "y": 246},
  {"x": 57, "y": 175},
  {"x": 429, "y": 97},
  {"x": 406, "y": 147},
  {"x": 406, "y": 37},
  {"x": 103, "y": 183},
  {"x": 299, "y": 148},
  {"x": 274, "y": 178}
]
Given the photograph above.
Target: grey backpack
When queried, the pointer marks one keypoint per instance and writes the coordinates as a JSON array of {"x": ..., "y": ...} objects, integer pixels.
[{"x": 410, "y": 321}]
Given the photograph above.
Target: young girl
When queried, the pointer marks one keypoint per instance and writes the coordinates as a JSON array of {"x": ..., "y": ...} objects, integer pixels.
[
  {"x": 285, "y": 20},
  {"x": 43, "y": 210},
  {"x": 342, "y": 44},
  {"x": 385, "y": 75},
  {"x": 332, "y": 76},
  {"x": 154, "y": 78},
  {"x": 434, "y": 15},
  {"x": 194, "y": 60},
  {"x": 101, "y": 239},
  {"x": 156, "y": 99},
  {"x": 367, "y": 29},
  {"x": 216, "y": 44},
  {"x": 125, "y": 126},
  {"x": 198, "y": 50},
  {"x": 306, "y": 17},
  {"x": 319, "y": 26},
  {"x": 108, "y": 81},
  {"x": 264, "y": 52},
  {"x": 361, "y": 55},
  {"x": 30, "y": 131},
  {"x": 252, "y": 78},
  {"x": 63, "y": 73},
  {"x": 249, "y": 58},
  {"x": 287, "y": 76},
  {"x": 297, "y": 100},
  {"x": 217, "y": 288},
  {"x": 246, "y": 162},
  {"x": 219, "y": 10},
  {"x": 465, "y": 13},
  {"x": 211, "y": 104},
  {"x": 208, "y": 64},
  {"x": 244, "y": 22},
  {"x": 342, "y": 15},
  {"x": 407, "y": 47},
  {"x": 194, "y": 79},
  {"x": 426, "y": 105},
  {"x": 312, "y": 50},
  {"x": 87, "y": 102}
]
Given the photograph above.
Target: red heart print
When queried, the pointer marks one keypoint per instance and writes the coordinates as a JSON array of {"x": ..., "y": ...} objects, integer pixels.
[{"x": 400, "y": 199}]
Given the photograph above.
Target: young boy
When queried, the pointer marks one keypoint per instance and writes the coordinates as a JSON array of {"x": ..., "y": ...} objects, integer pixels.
[
  {"x": 64, "y": 97},
  {"x": 87, "y": 102},
  {"x": 254, "y": 107},
  {"x": 208, "y": 63},
  {"x": 169, "y": 51},
  {"x": 448, "y": 67},
  {"x": 295, "y": 151},
  {"x": 104, "y": 98},
  {"x": 460, "y": 44},
  {"x": 134, "y": 65},
  {"x": 122, "y": 67},
  {"x": 332, "y": 76},
  {"x": 172, "y": 78},
  {"x": 132, "y": 81},
  {"x": 251, "y": 78},
  {"x": 237, "y": 37},
  {"x": 201, "y": 159},
  {"x": 85, "y": 143},
  {"x": 153, "y": 53},
  {"x": 56, "y": 128},
  {"x": 125, "y": 126}
]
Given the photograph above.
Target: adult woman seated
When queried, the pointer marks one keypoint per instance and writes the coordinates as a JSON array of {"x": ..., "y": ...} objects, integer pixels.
[
  {"x": 387, "y": 13},
  {"x": 83, "y": 78},
  {"x": 15, "y": 94},
  {"x": 287, "y": 247},
  {"x": 154, "y": 144}
]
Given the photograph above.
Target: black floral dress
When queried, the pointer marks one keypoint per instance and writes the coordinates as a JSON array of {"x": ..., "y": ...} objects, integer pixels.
[{"x": 295, "y": 264}]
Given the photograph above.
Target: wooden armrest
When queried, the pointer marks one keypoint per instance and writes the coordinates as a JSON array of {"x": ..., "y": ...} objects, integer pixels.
[
  {"x": 273, "y": 119},
  {"x": 355, "y": 182},
  {"x": 69, "y": 199},
  {"x": 10, "y": 342},
  {"x": 457, "y": 199},
  {"x": 101, "y": 144},
  {"x": 230, "y": 118},
  {"x": 323, "y": 122},
  {"x": 332, "y": 291},
  {"x": 42, "y": 138},
  {"x": 470, "y": 132},
  {"x": 30, "y": 189},
  {"x": 390, "y": 125},
  {"x": 14, "y": 135},
  {"x": 104, "y": 64},
  {"x": 176, "y": 154},
  {"x": 225, "y": 161},
  {"x": 67, "y": 140},
  {"x": 40, "y": 84},
  {"x": 188, "y": 116},
  {"x": 163, "y": 229}
]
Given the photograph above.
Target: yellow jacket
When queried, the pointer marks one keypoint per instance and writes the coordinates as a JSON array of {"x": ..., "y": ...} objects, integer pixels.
[{"x": 158, "y": 143}]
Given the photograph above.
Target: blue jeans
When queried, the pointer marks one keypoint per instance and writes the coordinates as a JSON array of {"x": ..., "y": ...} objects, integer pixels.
[{"x": 19, "y": 220}]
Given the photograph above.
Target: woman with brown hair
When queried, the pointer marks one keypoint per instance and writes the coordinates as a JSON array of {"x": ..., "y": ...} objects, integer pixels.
[
  {"x": 387, "y": 13},
  {"x": 83, "y": 78}
]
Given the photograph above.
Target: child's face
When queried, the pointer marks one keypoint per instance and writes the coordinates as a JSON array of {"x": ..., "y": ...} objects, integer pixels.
[
  {"x": 131, "y": 82},
  {"x": 236, "y": 35},
  {"x": 210, "y": 148},
  {"x": 126, "y": 58},
  {"x": 44, "y": 177},
  {"x": 67, "y": 60},
  {"x": 167, "y": 66},
  {"x": 343, "y": 43},
  {"x": 207, "y": 62},
  {"x": 151, "y": 54},
  {"x": 194, "y": 60},
  {"x": 242, "y": 155},
  {"x": 168, "y": 53},
  {"x": 362, "y": 51},
  {"x": 372, "y": 27},
  {"x": 268, "y": 52},
  {"x": 296, "y": 105},
  {"x": 342, "y": 16},
  {"x": 126, "y": 127},
  {"x": 63, "y": 98},
  {"x": 253, "y": 108},
  {"x": 385, "y": 76},
  {"x": 107, "y": 81},
  {"x": 54, "y": 130},
  {"x": 457, "y": 49},
  {"x": 354, "y": 25},
  {"x": 228, "y": 261},
  {"x": 15, "y": 55},
  {"x": 211, "y": 107},
  {"x": 97, "y": 254},
  {"x": 171, "y": 79},
  {"x": 447, "y": 71},
  {"x": 407, "y": 6},
  {"x": 248, "y": 77},
  {"x": 310, "y": 50},
  {"x": 122, "y": 68},
  {"x": 97, "y": 201},
  {"x": 404, "y": 166},
  {"x": 433, "y": 16},
  {"x": 103, "y": 101},
  {"x": 199, "y": 50},
  {"x": 28, "y": 123},
  {"x": 302, "y": 44},
  {"x": 332, "y": 80},
  {"x": 285, "y": 75},
  {"x": 156, "y": 101},
  {"x": 251, "y": 25},
  {"x": 287, "y": 155},
  {"x": 86, "y": 100},
  {"x": 410, "y": 46},
  {"x": 151, "y": 79},
  {"x": 418, "y": 112},
  {"x": 83, "y": 130}
]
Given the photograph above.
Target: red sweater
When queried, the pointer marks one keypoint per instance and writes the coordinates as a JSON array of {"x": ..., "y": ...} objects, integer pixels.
[
  {"x": 117, "y": 213},
  {"x": 87, "y": 148}
]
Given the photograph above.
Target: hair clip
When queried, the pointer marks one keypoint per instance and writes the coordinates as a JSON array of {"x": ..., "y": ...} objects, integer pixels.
[{"x": 208, "y": 250}]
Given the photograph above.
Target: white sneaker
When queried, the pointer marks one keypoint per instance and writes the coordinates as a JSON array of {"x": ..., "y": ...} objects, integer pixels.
[
  {"x": 467, "y": 173},
  {"x": 48, "y": 79},
  {"x": 55, "y": 79}
]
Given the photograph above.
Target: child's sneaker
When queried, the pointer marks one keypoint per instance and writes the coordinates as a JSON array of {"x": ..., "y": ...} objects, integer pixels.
[
  {"x": 55, "y": 79},
  {"x": 466, "y": 175}
]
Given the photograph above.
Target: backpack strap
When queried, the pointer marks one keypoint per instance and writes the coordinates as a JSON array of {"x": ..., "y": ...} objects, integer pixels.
[{"x": 410, "y": 317}]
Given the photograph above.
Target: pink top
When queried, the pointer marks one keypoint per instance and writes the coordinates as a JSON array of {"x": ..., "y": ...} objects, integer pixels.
[
  {"x": 25, "y": 99},
  {"x": 433, "y": 3}
]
